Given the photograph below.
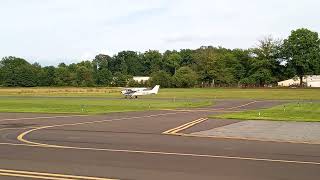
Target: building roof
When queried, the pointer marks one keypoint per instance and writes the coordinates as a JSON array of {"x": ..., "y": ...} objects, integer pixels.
[{"x": 310, "y": 80}]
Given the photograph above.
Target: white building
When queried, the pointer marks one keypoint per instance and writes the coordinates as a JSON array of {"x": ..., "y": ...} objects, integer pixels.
[
  {"x": 310, "y": 81},
  {"x": 141, "y": 79}
]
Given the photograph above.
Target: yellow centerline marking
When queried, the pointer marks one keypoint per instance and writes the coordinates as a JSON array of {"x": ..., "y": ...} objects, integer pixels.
[
  {"x": 167, "y": 153},
  {"x": 42, "y": 145},
  {"x": 32, "y": 176},
  {"x": 35, "y": 144},
  {"x": 182, "y": 127},
  {"x": 21, "y": 136},
  {"x": 41, "y": 175}
]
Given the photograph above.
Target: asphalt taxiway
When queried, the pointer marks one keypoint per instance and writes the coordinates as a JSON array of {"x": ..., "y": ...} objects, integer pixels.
[{"x": 146, "y": 145}]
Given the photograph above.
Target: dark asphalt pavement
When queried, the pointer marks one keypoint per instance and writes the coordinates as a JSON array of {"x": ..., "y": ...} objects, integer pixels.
[{"x": 131, "y": 146}]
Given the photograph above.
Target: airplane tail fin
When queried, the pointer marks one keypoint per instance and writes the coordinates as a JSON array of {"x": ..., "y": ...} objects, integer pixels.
[{"x": 155, "y": 89}]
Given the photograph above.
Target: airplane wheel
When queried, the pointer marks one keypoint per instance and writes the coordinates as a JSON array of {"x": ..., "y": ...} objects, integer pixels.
[{"x": 136, "y": 97}]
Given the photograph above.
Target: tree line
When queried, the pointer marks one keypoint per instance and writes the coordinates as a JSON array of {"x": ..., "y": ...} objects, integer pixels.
[{"x": 270, "y": 61}]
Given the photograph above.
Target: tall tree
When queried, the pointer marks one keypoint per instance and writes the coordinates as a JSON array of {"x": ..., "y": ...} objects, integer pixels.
[
  {"x": 18, "y": 72},
  {"x": 101, "y": 73},
  {"x": 120, "y": 80},
  {"x": 171, "y": 61},
  {"x": 301, "y": 51},
  {"x": 84, "y": 76},
  {"x": 47, "y": 76},
  {"x": 265, "y": 64},
  {"x": 161, "y": 78},
  {"x": 127, "y": 62},
  {"x": 187, "y": 58},
  {"x": 63, "y": 77},
  {"x": 205, "y": 58},
  {"x": 241, "y": 69},
  {"x": 185, "y": 77},
  {"x": 152, "y": 61}
]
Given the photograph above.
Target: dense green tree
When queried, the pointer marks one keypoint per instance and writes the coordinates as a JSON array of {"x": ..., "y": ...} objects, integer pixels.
[
  {"x": 185, "y": 77},
  {"x": 225, "y": 69},
  {"x": 103, "y": 77},
  {"x": 187, "y": 58},
  {"x": 204, "y": 58},
  {"x": 171, "y": 61},
  {"x": 215, "y": 65},
  {"x": 18, "y": 72},
  {"x": 270, "y": 61},
  {"x": 265, "y": 65},
  {"x": 127, "y": 62},
  {"x": 101, "y": 73},
  {"x": 152, "y": 62},
  {"x": 242, "y": 67},
  {"x": 101, "y": 61},
  {"x": 301, "y": 51},
  {"x": 46, "y": 76},
  {"x": 84, "y": 76},
  {"x": 63, "y": 77},
  {"x": 120, "y": 80},
  {"x": 161, "y": 78}
]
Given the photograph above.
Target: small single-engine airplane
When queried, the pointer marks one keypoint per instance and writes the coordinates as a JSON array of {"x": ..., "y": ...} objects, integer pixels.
[
  {"x": 135, "y": 92},
  {"x": 126, "y": 90}
]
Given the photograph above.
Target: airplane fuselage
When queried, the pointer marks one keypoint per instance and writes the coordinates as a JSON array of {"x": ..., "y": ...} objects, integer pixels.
[{"x": 135, "y": 92}]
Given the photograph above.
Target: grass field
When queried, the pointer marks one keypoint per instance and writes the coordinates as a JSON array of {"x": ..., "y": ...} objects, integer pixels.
[
  {"x": 205, "y": 93},
  {"x": 91, "y": 105},
  {"x": 291, "y": 112}
]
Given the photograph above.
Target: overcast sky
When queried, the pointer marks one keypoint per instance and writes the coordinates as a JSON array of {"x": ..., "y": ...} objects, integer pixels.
[{"x": 52, "y": 31}]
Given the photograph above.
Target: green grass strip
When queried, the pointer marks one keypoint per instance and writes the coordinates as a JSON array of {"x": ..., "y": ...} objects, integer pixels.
[
  {"x": 91, "y": 105},
  {"x": 306, "y": 112}
]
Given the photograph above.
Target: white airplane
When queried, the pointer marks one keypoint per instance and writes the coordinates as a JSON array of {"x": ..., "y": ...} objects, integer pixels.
[
  {"x": 126, "y": 90},
  {"x": 135, "y": 92}
]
